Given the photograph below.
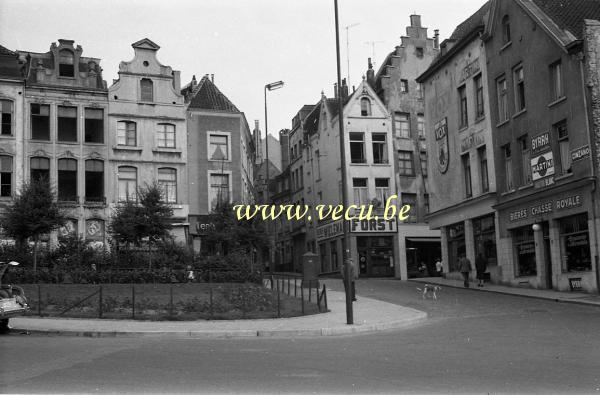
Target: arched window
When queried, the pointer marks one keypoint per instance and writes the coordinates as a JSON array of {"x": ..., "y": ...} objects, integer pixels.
[
  {"x": 94, "y": 180},
  {"x": 167, "y": 179},
  {"x": 146, "y": 90},
  {"x": 505, "y": 29},
  {"x": 127, "y": 183},
  {"x": 40, "y": 168},
  {"x": 66, "y": 66},
  {"x": 67, "y": 180},
  {"x": 126, "y": 133},
  {"x": 365, "y": 107}
]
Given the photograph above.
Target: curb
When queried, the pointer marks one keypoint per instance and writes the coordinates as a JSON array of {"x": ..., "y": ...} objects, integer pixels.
[
  {"x": 559, "y": 300},
  {"x": 242, "y": 333}
]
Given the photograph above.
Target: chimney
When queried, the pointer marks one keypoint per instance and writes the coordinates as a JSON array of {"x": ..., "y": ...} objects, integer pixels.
[
  {"x": 212, "y": 78},
  {"x": 335, "y": 90},
  {"x": 194, "y": 82},
  {"x": 436, "y": 39},
  {"x": 370, "y": 74},
  {"x": 344, "y": 90},
  {"x": 415, "y": 20},
  {"x": 256, "y": 124}
]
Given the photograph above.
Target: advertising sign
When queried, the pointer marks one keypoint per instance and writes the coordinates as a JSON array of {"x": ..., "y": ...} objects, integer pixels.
[
  {"x": 580, "y": 153},
  {"x": 441, "y": 140},
  {"x": 201, "y": 225},
  {"x": 540, "y": 143},
  {"x": 542, "y": 166},
  {"x": 373, "y": 225},
  {"x": 330, "y": 230}
]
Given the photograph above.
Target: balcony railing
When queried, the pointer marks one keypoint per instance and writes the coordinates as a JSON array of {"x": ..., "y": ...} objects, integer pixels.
[{"x": 95, "y": 201}]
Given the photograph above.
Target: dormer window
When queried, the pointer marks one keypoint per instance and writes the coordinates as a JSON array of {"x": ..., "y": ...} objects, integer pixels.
[
  {"x": 365, "y": 107},
  {"x": 146, "y": 90},
  {"x": 66, "y": 66},
  {"x": 505, "y": 29}
]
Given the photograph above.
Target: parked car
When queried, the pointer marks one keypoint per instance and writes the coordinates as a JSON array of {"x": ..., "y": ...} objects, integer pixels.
[{"x": 12, "y": 299}]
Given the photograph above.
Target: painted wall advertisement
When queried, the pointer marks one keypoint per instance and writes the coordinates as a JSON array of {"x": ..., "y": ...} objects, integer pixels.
[{"x": 441, "y": 141}]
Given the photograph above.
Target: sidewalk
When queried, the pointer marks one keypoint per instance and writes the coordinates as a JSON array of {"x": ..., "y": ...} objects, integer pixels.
[
  {"x": 566, "y": 297},
  {"x": 369, "y": 315}
]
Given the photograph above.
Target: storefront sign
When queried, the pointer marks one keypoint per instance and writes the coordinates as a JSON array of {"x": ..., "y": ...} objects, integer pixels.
[
  {"x": 577, "y": 240},
  {"x": 472, "y": 140},
  {"x": 373, "y": 225},
  {"x": 471, "y": 69},
  {"x": 526, "y": 248},
  {"x": 517, "y": 215},
  {"x": 543, "y": 208},
  {"x": 329, "y": 230},
  {"x": 201, "y": 225},
  {"x": 540, "y": 142},
  {"x": 568, "y": 202},
  {"x": 542, "y": 166},
  {"x": 441, "y": 140},
  {"x": 580, "y": 153},
  {"x": 546, "y": 207}
]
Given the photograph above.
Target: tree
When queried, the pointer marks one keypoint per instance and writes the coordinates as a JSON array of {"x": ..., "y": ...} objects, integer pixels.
[
  {"x": 33, "y": 212},
  {"x": 132, "y": 222}
]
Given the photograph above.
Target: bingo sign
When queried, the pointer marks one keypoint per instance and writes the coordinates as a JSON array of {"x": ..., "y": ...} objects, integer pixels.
[{"x": 94, "y": 229}]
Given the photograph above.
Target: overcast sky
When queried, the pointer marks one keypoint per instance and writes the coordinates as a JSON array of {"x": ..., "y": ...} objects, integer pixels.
[{"x": 245, "y": 44}]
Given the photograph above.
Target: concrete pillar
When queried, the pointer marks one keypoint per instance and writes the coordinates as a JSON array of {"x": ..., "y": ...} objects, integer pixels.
[
  {"x": 401, "y": 262},
  {"x": 540, "y": 256},
  {"x": 555, "y": 254},
  {"x": 470, "y": 242},
  {"x": 444, "y": 242}
]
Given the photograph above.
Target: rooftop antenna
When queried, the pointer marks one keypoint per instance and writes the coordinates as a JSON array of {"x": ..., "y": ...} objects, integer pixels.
[
  {"x": 348, "y": 47},
  {"x": 372, "y": 44}
]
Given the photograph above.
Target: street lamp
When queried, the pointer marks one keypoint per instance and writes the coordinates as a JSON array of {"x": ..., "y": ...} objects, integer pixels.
[{"x": 269, "y": 87}]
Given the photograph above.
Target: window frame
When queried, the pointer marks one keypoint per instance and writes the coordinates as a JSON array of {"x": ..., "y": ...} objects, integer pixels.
[
  {"x": 406, "y": 170},
  {"x": 208, "y": 146},
  {"x": 38, "y": 120},
  {"x": 210, "y": 173},
  {"x": 166, "y": 135},
  {"x": 128, "y": 182},
  {"x": 64, "y": 121},
  {"x": 519, "y": 88},
  {"x": 168, "y": 181},
  {"x": 402, "y": 119},
  {"x": 146, "y": 90},
  {"x": 557, "y": 87},
  {"x": 485, "y": 180},
  {"x": 526, "y": 176},
  {"x": 4, "y": 115},
  {"x": 381, "y": 147},
  {"x": 365, "y": 107},
  {"x": 479, "y": 96},
  {"x": 507, "y": 155},
  {"x": 93, "y": 181},
  {"x": 563, "y": 142},
  {"x": 467, "y": 179},
  {"x": 355, "y": 142},
  {"x": 124, "y": 134},
  {"x": 360, "y": 193},
  {"x": 6, "y": 177},
  {"x": 463, "y": 107},
  {"x": 502, "y": 93},
  {"x": 93, "y": 132},
  {"x": 67, "y": 174}
]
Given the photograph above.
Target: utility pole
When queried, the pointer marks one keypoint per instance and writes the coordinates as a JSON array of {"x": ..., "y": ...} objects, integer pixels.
[{"x": 347, "y": 46}]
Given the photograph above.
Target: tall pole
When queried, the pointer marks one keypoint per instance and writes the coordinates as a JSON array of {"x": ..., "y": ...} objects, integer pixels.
[
  {"x": 345, "y": 243},
  {"x": 267, "y": 178}
]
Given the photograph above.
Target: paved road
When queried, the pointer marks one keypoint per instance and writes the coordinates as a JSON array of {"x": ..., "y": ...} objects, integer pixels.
[{"x": 475, "y": 342}]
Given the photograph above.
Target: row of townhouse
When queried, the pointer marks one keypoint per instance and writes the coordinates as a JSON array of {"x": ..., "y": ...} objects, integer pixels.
[
  {"x": 511, "y": 108},
  {"x": 97, "y": 145},
  {"x": 385, "y": 151}
]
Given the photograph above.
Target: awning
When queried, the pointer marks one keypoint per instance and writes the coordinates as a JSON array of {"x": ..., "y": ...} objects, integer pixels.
[{"x": 424, "y": 239}]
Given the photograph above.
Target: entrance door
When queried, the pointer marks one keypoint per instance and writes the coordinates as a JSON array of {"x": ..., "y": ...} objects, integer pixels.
[{"x": 548, "y": 262}]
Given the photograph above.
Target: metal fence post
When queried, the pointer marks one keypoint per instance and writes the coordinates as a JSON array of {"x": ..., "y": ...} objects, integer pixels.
[
  {"x": 278, "y": 301},
  {"x": 100, "y": 303},
  {"x": 171, "y": 300},
  {"x": 302, "y": 295},
  {"x": 39, "y": 289},
  {"x": 295, "y": 288},
  {"x": 132, "y": 301}
]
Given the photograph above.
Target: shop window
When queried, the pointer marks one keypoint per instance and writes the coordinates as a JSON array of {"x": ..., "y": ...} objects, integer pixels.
[
  {"x": 423, "y": 157},
  {"x": 40, "y": 121},
  {"x": 127, "y": 180},
  {"x": 506, "y": 29},
  {"x": 502, "y": 91},
  {"x": 40, "y": 169},
  {"x": 524, "y": 245},
  {"x": 484, "y": 233},
  {"x": 357, "y": 148},
  {"x": 126, "y": 133},
  {"x": 404, "y": 86},
  {"x": 575, "y": 243},
  {"x": 365, "y": 107},
  {"x": 519, "y": 80},
  {"x": 67, "y": 180},
  {"x": 94, "y": 180},
  {"x": 402, "y": 125},
  {"x": 94, "y": 125},
  {"x": 6, "y": 117},
  {"x": 146, "y": 90},
  {"x": 66, "y": 67},
  {"x": 508, "y": 167},
  {"x": 67, "y": 124},
  {"x": 466, "y": 164},
  {"x": 382, "y": 189},
  {"x": 562, "y": 134},
  {"x": 462, "y": 99},
  {"x": 411, "y": 200},
  {"x": 479, "y": 108},
  {"x": 456, "y": 244},
  {"x": 167, "y": 179},
  {"x": 380, "y": 151},
  {"x": 483, "y": 169},
  {"x": 166, "y": 135},
  {"x": 361, "y": 191},
  {"x": 525, "y": 161},
  {"x": 556, "y": 81},
  {"x": 6, "y": 175}
]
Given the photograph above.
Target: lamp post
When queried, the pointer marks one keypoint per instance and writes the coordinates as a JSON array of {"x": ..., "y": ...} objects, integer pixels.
[
  {"x": 269, "y": 87},
  {"x": 346, "y": 241}
]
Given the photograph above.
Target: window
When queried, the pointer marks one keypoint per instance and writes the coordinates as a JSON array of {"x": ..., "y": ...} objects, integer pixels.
[
  {"x": 40, "y": 168},
  {"x": 562, "y": 135},
  {"x": 318, "y": 164},
  {"x": 575, "y": 243},
  {"x": 6, "y": 114},
  {"x": 524, "y": 243},
  {"x": 505, "y": 29},
  {"x": 402, "y": 125},
  {"x": 127, "y": 183},
  {"x": 466, "y": 162},
  {"x": 66, "y": 66},
  {"x": 556, "y": 83},
  {"x": 404, "y": 86},
  {"x": 166, "y": 135},
  {"x": 480, "y": 112},
  {"x": 519, "y": 89},
  {"x": 380, "y": 152},
  {"x": 525, "y": 161},
  {"x": 484, "y": 236},
  {"x": 423, "y": 157},
  {"x": 365, "y": 107},
  {"x": 146, "y": 90},
  {"x": 40, "y": 121},
  {"x": 301, "y": 172},
  {"x": 508, "y": 167},
  {"x": 419, "y": 52},
  {"x": 420, "y": 91},
  {"x": 94, "y": 125},
  {"x": 382, "y": 189},
  {"x": 502, "y": 100},
  {"x": 67, "y": 180},
  {"x": 485, "y": 183},
  {"x": 405, "y": 163},
  {"x": 167, "y": 179},
  {"x": 361, "y": 191},
  {"x": 411, "y": 200},
  {"x": 126, "y": 133},
  {"x": 462, "y": 98},
  {"x": 67, "y": 123},
  {"x": 357, "y": 148},
  {"x": 421, "y": 126},
  {"x": 218, "y": 147},
  {"x": 94, "y": 180},
  {"x": 6, "y": 170},
  {"x": 219, "y": 189}
]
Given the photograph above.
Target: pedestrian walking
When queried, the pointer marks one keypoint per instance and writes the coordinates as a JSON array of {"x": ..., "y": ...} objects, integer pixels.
[
  {"x": 464, "y": 265},
  {"x": 191, "y": 276},
  {"x": 481, "y": 267},
  {"x": 351, "y": 277},
  {"x": 439, "y": 268}
]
